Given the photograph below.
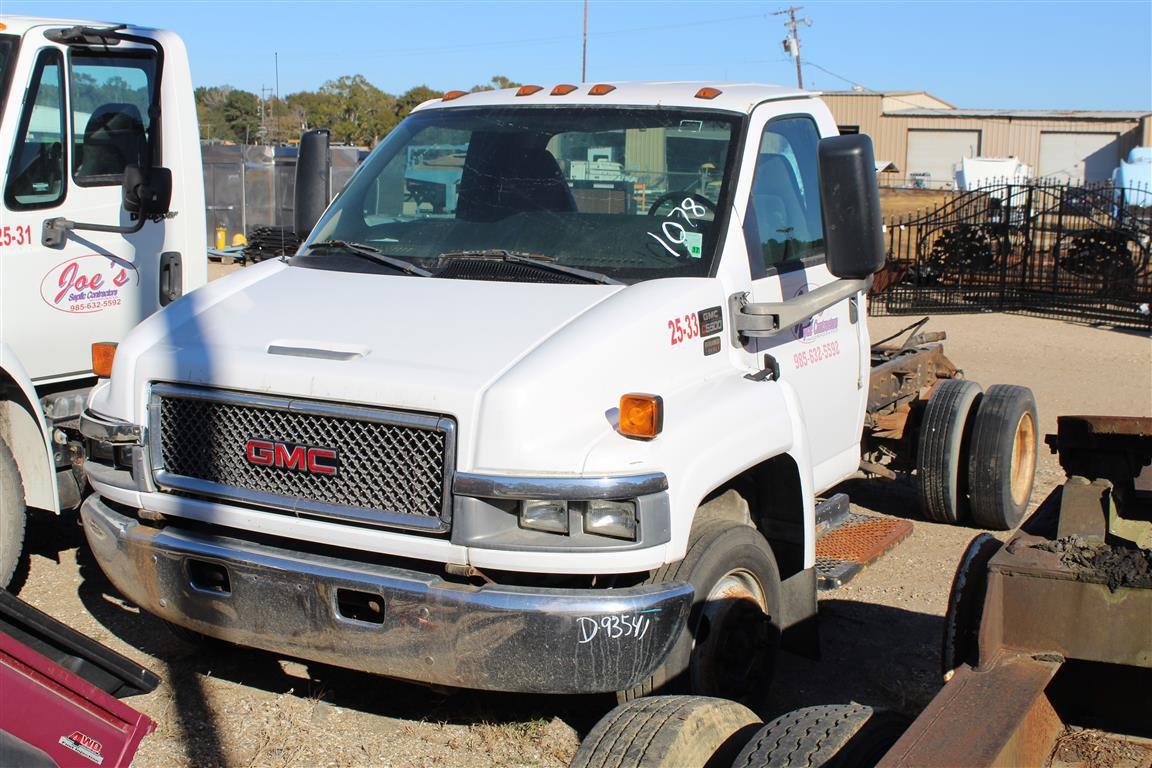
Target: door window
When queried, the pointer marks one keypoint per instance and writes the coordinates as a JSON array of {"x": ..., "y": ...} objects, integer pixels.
[
  {"x": 36, "y": 171},
  {"x": 110, "y": 123},
  {"x": 783, "y": 225}
]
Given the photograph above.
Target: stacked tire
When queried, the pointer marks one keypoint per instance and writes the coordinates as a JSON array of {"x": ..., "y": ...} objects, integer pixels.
[{"x": 977, "y": 452}]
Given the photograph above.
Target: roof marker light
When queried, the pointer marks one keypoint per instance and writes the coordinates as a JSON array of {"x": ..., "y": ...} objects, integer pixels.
[
  {"x": 453, "y": 95},
  {"x": 708, "y": 93},
  {"x": 601, "y": 89},
  {"x": 528, "y": 90},
  {"x": 563, "y": 90}
]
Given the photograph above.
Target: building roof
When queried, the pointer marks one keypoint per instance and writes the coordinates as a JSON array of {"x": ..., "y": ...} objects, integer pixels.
[
  {"x": 891, "y": 95},
  {"x": 1024, "y": 114}
]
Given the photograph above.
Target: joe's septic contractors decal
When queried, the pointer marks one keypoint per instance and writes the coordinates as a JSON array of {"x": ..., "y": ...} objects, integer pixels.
[
  {"x": 88, "y": 284},
  {"x": 810, "y": 332}
]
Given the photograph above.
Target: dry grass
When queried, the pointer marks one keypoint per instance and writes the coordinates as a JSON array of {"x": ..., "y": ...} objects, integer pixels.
[{"x": 901, "y": 202}]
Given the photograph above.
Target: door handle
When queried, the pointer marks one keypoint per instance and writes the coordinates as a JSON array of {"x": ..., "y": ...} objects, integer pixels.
[{"x": 171, "y": 277}]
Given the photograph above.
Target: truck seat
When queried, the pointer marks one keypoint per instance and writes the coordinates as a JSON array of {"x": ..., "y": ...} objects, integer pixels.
[{"x": 113, "y": 138}]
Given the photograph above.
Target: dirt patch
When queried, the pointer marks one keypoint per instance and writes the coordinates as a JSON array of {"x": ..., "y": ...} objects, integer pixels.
[
  {"x": 1090, "y": 748},
  {"x": 1095, "y": 561},
  {"x": 909, "y": 202}
]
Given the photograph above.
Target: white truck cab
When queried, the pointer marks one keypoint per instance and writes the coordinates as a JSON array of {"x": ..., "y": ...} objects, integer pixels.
[
  {"x": 503, "y": 425},
  {"x": 81, "y": 104}
]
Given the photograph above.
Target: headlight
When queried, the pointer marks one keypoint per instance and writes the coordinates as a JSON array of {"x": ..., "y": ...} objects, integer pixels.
[
  {"x": 543, "y": 515},
  {"x": 611, "y": 518}
]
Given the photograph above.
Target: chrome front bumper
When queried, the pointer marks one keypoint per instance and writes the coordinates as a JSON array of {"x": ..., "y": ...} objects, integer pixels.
[{"x": 419, "y": 627}]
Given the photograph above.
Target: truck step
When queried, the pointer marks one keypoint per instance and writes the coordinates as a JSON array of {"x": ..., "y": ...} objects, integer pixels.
[{"x": 851, "y": 543}]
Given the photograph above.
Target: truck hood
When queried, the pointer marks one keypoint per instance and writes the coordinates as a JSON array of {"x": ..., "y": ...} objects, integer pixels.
[
  {"x": 530, "y": 372},
  {"x": 411, "y": 343}
]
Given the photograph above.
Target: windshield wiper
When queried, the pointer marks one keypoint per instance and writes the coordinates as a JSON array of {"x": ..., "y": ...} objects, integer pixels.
[
  {"x": 537, "y": 260},
  {"x": 372, "y": 254}
]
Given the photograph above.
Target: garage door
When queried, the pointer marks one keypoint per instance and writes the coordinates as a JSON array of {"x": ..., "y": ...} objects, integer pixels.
[
  {"x": 1079, "y": 157},
  {"x": 938, "y": 153}
]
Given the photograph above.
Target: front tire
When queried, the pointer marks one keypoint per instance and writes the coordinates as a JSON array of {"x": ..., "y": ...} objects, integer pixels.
[
  {"x": 13, "y": 515},
  {"x": 728, "y": 646}
]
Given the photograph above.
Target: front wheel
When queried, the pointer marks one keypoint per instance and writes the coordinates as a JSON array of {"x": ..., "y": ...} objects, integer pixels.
[
  {"x": 728, "y": 646},
  {"x": 13, "y": 515}
]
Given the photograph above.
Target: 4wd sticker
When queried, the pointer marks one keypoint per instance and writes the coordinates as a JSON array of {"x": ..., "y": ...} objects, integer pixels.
[
  {"x": 84, "y": 745},
  {"x": 88, "y": 284}
]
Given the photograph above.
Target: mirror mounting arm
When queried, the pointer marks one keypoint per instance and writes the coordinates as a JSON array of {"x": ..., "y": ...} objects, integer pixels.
[
  {"x": 55, "y": 231},
  {"x": 766, "y": 319}
]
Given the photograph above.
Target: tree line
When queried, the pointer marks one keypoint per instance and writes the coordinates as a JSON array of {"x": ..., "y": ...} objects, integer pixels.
[{"x": 354, "y": 110}]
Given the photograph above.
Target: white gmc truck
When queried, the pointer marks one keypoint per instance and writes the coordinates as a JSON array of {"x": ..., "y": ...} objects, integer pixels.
[
  {"x": 497, "y": 427},
  {"x": 102, "y": 223}
]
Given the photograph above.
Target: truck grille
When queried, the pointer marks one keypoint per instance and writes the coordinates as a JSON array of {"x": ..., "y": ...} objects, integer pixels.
[{"x": 361, "y": 465}]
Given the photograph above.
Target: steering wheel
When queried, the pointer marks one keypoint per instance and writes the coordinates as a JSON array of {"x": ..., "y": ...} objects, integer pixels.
[{"x": 677, "y": 198}]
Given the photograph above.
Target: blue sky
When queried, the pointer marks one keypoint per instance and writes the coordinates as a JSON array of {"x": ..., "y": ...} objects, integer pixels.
[{"x": 1027, "y": 55}]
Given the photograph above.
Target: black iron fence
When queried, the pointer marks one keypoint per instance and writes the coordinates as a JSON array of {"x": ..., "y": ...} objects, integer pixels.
[{"x": 1075, "y": 251}]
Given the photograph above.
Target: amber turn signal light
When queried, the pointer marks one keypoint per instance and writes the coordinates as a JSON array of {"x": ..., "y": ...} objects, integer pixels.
[
  {"x": 103, "y": 353},
  {"x": 641, "y": 415}
]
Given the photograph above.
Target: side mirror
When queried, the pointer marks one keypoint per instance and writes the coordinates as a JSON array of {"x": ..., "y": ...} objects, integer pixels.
[
  {"x": 850, "y": 202},
  {"x": 147, "y": 193}
]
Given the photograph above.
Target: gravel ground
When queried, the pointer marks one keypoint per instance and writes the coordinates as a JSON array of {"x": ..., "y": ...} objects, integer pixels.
[{"x": 880, "y": 634}]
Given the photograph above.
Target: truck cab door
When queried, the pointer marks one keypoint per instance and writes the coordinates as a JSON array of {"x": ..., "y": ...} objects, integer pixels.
[
  {"x": 83, "y": 117},
  {"x": 822, "y": 359}
]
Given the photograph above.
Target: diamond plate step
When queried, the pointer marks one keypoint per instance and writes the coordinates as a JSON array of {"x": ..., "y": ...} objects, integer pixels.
[{"x": 851, "y": 543}]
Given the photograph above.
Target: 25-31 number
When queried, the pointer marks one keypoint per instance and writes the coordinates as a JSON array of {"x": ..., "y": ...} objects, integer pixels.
[{"x": 21, "y": 234}]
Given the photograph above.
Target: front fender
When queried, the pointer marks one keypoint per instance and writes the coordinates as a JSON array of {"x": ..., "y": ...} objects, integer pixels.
[{"x": 713, "y": 431}]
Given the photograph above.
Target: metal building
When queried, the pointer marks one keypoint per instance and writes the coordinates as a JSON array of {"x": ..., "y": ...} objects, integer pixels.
[{"x": 924, "y": 138}]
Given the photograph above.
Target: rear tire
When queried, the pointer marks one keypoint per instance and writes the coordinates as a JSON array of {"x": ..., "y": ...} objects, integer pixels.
[
  {"x": 942, "y": 459},
  {"x": 667, "y": 732},
  {"x": 834, "y": 736},
  {"x": 13, "y": 515},
  {"x": 1002, "y": 459},
  {"x": 728, "y": 645}
]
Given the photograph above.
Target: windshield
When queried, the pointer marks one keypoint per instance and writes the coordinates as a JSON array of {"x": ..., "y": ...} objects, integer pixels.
[
  {"x": 629, "y": 194},
  {"x": 8, "y": 45}
]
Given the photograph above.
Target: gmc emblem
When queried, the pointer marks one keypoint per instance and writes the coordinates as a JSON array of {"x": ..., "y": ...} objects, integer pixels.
[{"x": 301, "y": 458}]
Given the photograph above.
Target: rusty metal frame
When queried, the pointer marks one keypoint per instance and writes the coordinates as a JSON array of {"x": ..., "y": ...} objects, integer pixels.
[{"x": 1041, "y": 612}]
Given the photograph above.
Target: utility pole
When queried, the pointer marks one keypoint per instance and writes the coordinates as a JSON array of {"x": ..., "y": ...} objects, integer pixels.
[
  {"x": 265, "y": 108},
  {"x": 792, "y": 42},
  {"x": 275, "y": 125},
  {"x": 584, "y": 60}
]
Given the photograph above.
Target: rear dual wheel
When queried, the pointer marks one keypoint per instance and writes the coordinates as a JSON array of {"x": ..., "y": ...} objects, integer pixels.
[
  {"x": 977, "y": 454},
  {"x": 1002, "y": 458}
]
